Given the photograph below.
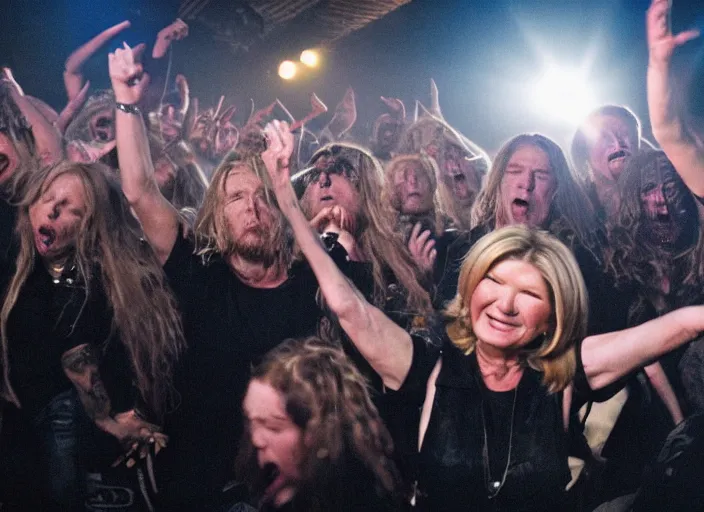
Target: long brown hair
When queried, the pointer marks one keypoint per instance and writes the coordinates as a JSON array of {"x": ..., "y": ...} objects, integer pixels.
[
  {"x": 109, "y": 248},
  {"x": 571, "y": 219},
  {"x": 328, "y": 399},
  {"x": 378, "y": 241},
  {"x": 634, "y": 259}
]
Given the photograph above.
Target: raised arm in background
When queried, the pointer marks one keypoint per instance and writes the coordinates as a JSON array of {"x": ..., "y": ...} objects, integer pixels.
[
  {"x": 160, "y": 220},
  {"x": 668, "y": 126},
  {"x": 47, "y": 139},
  {"x": 385, "y": 345},
  {"x": 73, "y": 72}
]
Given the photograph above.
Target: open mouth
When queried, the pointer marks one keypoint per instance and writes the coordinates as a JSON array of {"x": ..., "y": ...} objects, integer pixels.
[
  {"x": 327, "y": 198},
  {"x": 459, "y": 178},
  {"x": 272, "y": 481},
  {"x": 47, "y": 236},
  {"x": 521, "y": 203},
  {"x": 663, "y": 218},
  {"x": 620, "y": 154}
]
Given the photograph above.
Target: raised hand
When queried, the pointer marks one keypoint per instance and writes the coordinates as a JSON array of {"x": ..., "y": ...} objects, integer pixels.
[
  {"x": 129, "y": 81},
  {"x": 278, "y": 153},
  {"x": 333, "y": 219},
  {"x": 422, "y": 248},
  {"x": 396, "y": 106},
  {"x": 72, "y": 108},
  {"x": 661, "y": 41},
  {"x": 345, "y": 115},
  {"x": 173, "y": 32},
  {"x": 8, "y": 79},
  {"x": 73, "y": 77}
]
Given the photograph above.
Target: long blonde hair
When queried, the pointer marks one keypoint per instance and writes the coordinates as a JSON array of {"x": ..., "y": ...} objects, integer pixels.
[
  {"x": 212, "y": 236},
  {"x": 554, "y": 357},
  {"x": 109, "y": 241}
]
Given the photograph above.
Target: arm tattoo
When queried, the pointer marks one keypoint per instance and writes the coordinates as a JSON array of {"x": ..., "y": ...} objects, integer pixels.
[{"x": 80, "y": 365}]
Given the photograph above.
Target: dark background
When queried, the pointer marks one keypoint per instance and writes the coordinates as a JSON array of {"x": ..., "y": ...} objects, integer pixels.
[{"x": 483, "y": 54}]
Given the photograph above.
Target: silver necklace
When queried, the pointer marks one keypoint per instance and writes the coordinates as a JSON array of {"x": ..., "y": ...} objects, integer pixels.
[{"x": 493, "y": 486}]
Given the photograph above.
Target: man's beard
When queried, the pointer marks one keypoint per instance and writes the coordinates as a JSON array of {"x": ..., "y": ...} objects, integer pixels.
[{"x": 256, "y": 247}]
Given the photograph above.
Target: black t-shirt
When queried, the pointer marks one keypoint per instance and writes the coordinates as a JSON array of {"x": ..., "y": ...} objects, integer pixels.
[
  {"x": 228, "y": 326},
  {"x": 50, "y": 318}
]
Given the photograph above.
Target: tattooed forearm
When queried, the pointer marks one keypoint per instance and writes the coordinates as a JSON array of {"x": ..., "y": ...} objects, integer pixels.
[{"x": 80, "y": 365}]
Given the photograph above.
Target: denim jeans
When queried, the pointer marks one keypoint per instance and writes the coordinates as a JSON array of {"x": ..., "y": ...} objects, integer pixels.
[{"x": 56, "y": 427}]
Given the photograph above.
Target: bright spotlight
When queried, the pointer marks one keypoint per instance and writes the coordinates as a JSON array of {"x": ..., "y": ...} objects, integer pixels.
[
  {"x": 310, "y": 58},
  {"x": 287, "y": 70},
  {"x": 564, "y": 95}
]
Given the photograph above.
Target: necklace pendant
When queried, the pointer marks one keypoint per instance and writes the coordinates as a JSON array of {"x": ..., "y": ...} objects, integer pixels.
[{"x": 495, "y": 485}]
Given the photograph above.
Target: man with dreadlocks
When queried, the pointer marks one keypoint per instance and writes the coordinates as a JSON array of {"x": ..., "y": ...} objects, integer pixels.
[{"x": 239, "y": 289}]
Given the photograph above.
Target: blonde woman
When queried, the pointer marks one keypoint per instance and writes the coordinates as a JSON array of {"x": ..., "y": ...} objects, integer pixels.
[{"x": 496, "y": 400}]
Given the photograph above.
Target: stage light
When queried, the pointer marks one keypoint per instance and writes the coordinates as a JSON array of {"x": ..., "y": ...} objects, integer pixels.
[
  {"x": 564, "y": 95},
  {"x": 287, "y": 70},
  {"x": 310, "y": 58}
]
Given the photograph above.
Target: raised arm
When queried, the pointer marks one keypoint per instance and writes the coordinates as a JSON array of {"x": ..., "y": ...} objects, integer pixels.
[
  {"x": 385, "y": 345},
  {"x": 174, "y": 32},
  {"x": 47, "y": 139},
  {"x": 73, "y": 74},
  {"x": 608, "y": 357},
  {"x": 159, "y": 219},
  {"x": 668, "y": 127}
]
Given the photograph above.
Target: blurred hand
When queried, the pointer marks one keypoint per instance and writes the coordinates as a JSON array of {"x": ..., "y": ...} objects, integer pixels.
[
  {"x": 661, "y": 42},
  {"x": 129, "y": 81}
]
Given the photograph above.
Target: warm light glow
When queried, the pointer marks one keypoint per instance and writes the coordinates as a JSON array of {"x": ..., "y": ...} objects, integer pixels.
[
  {"x": 310, "y": 58},
  {"x": 287, "y": 70},
  {"x": 564, "y": 95}
]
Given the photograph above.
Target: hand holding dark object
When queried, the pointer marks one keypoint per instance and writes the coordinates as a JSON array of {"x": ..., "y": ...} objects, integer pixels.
[
  {"x": 136, "y": 435},
  {"x": 129, "y": 81},
  {"x": 174, "y": 32},
  {"x": 661, "y": 41},
  {"x": 333, "y": 219},
  {"x": 73, "y": 76}
]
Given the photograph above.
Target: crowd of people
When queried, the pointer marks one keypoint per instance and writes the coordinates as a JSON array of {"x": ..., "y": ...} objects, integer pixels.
[{"x": 201, "y": 316}]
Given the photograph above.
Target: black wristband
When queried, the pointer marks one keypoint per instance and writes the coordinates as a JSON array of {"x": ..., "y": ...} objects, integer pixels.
[{"x": 128, "y": 109}]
